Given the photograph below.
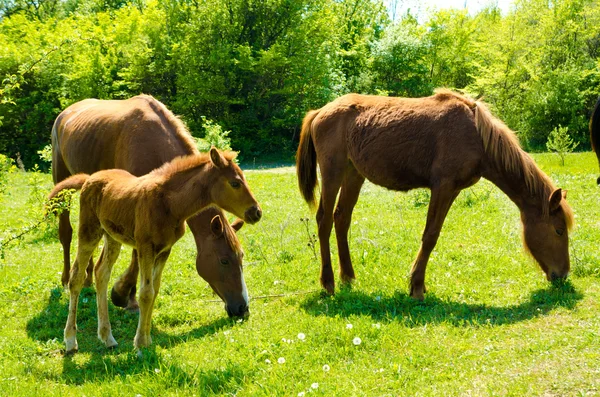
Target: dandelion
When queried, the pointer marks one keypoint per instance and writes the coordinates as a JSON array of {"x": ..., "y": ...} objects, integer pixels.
[
  {"x": 348, "y": 326},
  {"x": 301, "y": 394},
  {"x": 226, "y": 332},
  {"x": 315, "y": 385},
  {"x": 281, "y": 360},
  {"x": 157, "y": 370},
  {"x": 301, "y": 336},
  {"x": 326, "y": 368},
  {"x": 357, "y": 341},
  {"x": 377, "y": 325},
  {"x": 268, "y": 361}
]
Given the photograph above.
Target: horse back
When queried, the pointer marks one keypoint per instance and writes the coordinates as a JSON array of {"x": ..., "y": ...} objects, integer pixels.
[
  {"x": 405, "y": 143},
  {"x": 138, "y": 135}
]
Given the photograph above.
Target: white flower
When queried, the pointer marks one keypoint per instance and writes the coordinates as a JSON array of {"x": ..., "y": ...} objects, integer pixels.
[
  {"x": 226, "y": 332},
  {"x": 357, "y": 341},
  {"x": 85, "y": 300},
  {"x": 378, "y": 298},
  {"x": 326, "y": 368},
  {"x": 301, "y": 394},
  {"x": 315, "y": 385},
  {"x": 157, "y": 370},
  {"x": 301, "y": 336},
  {"x": 349, "y": 326},
  {"x": 268, "y": 361},
  {"x": 377, "y": 325},
  {"x": 281, "y": 360}
]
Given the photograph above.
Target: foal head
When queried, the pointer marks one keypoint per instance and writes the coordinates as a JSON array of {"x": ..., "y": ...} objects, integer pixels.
[
  {"x": 219, "y": 260},
  {"x": 546, "y": 236},
  {"x": 230, "y": 191}
]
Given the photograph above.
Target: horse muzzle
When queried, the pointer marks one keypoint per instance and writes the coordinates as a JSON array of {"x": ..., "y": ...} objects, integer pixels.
[
  {"x": 253, "y": 214},
  {"x": 241, "y": 310}
]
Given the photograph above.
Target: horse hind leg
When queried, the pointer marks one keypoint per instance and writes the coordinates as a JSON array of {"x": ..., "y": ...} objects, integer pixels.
[
  {"x": 90, "y": 233},
  {"x": 331, "y": 180},
  {"x": 65, "y": 235},
  {"x": 123, "y": 291},
  {"x": 442, "y": 198},
  {"x": 349, "y": 193},
  {"x": 110, "y": 253}
]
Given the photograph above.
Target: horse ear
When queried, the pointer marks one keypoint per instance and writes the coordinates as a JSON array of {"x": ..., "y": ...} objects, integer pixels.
[
  {"x": 216, "y": 158},
  {"x": 216, "y": 226},
  {"x": 237, "y": 224},
  {"x": 564, "y": 194},
  {"x": 555, "y": 198}
]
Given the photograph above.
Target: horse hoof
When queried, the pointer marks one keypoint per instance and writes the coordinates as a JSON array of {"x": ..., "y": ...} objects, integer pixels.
[
  {"x": 329, "y": 287},
  {"x": 347, "y": 279},
  {"x": 118, "y": 300},
  {"x": 133, "y": 307}
]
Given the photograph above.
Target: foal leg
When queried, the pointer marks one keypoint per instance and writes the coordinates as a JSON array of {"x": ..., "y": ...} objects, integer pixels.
[
  {"x": 124, "y": 289},
  {"x": 442, "y": 198},
  {"x": 109, "y": 256},
  {"x": 151, "y": 268},
  {"x": 331, "y": 179},
  {"x": 353, "y": 181},
  {"x": 90, "y": 233}
]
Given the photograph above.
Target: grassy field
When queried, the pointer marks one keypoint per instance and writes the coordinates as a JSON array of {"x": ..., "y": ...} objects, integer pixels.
[{"x": 490, "y": 323}]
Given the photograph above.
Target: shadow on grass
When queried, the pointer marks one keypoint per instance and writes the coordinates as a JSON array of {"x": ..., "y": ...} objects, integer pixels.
[
  {"x": 96, "y": 364},
  {"x": 402, "y": 308}
]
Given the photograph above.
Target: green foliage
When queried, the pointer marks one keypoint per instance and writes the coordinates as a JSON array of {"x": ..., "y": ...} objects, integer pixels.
[
  {"x": 561, "y": 143},
  {"x": 213, "y": 136},
  {"x": 6, "y": 166}
]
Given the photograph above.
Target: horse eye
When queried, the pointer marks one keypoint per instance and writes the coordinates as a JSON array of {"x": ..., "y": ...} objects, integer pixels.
[
  {"x": 560, "y": 232},
  {"x": 224, "y": 262},
  {"x": 235, "y": 184}
]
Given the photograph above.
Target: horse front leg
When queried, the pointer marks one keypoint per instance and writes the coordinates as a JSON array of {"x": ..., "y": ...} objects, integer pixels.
[
  {"x": 124, "y": 290},
  {"x": 442, "y": 198},
  {"x": 351, "y": 186},
  {"x": 110, "y": 253},
  {"x": 151, "y": 267}
]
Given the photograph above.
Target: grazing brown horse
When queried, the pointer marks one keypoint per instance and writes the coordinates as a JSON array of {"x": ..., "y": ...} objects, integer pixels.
[
  {"x": 147, "y": 213},
  {"x": 446, "y": 143},
  {"x": 138, "y": 135},
  {"x": 595, "y": 132}
]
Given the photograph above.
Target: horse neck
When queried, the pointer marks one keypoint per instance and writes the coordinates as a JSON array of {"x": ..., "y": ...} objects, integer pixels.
[
  {"x": 188, "y": 191},
  {"x": 516, "y": 188}
]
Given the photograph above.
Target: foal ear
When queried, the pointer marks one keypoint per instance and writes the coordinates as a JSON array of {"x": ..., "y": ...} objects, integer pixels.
[
  {"x": 237, "y": 224},
  {"x": 555, "y": 198},
  {"x": 216, "y": 226},
  {"x": 217, "y": 159}
]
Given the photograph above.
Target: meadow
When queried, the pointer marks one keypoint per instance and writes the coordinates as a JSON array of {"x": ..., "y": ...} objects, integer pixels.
[{"x": 490, "y": 323}]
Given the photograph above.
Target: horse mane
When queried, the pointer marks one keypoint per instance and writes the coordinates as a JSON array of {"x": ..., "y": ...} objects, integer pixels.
[
  {"x": 502, "y": 146},
  {"x": 180, "y": 128},
  {"x": 189, "y": 162},
  {"x": 231, "y": 237}
]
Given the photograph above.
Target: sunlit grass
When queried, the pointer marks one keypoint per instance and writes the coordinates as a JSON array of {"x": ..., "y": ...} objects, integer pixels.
[{"x": 490, "y": 323}]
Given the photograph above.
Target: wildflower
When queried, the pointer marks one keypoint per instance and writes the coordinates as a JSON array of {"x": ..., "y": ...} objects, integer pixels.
[
  {"x": 315, "y": 385},
  {"x": 281, "y": 360},
  {"x": 357, "y": 341},
  {"x": 301, "y": 336},
  {"x": 157, "y": 370},
  {"x": 326, "y": 368},
  {"x": 301, "y": 394},
  {"x": 377, "y": 325},
  {"x": 85, "y": 300},
  {"x": 348, "y": 326},
  {"x": 268, "y": 361}
]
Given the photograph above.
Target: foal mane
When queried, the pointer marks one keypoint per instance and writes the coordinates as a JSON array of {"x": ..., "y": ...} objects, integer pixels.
[
  {"x": 187, "y": 163},
  {"x": 503, "y": 148}
]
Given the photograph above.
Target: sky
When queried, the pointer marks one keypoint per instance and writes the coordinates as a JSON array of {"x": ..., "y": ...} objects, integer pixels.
[{"x": 420, "y": 7}]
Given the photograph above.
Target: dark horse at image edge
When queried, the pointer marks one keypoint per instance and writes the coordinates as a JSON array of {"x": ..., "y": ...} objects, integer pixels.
[
  {"x": 445, "y": 142},
  {"x": 595, "y": 132}
]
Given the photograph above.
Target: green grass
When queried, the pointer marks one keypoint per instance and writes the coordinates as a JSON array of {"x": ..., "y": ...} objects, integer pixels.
[{"x": 490, "y": 323}]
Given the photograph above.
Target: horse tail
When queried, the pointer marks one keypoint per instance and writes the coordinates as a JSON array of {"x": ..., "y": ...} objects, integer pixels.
[
  {"x": 595, "y": 131},
  {"x": 73, "y": 182},
  {"x": 306, "y": 160}
]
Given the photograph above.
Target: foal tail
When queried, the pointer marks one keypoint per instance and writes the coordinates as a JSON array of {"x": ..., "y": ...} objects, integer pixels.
[
  {"x": 595, "y": 131},
  {"x": 306, "y": 160},
  {"x": 72, "y": 182}
]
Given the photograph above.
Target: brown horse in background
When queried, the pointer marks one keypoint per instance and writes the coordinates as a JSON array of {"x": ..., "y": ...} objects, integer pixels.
[
  {"x": 148, "y": 214},
  {"x": 446, "y": 143},
  {"x": 138, "y": 135},
  {"x": 595, "y": 132}
]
